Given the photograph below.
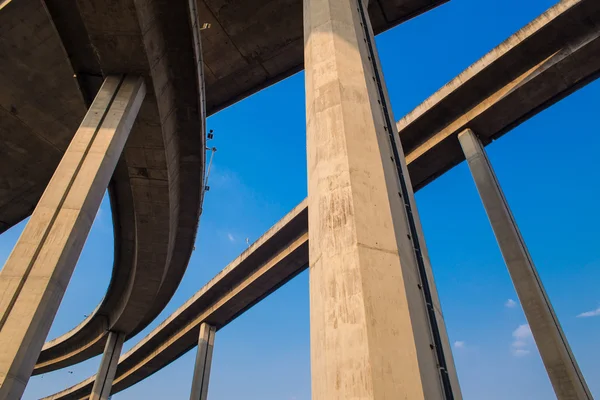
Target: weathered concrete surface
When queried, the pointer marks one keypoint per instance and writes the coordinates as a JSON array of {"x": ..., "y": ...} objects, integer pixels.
[
  {"x": 562, "y": 368},
  {"x": 531, "y": 92},
  {"x": 371, "y": 334},
  {"x": 548, "y": 59},
  {"x": 206, "y": 342},
  {"x": 571, "y": 66},
  {"x": 249, "y": 46},
  {"x": 275, "y": 258},
  {"x": 164, "y": 157},
  {"x": 36, "y": 274},
  {"x": 108, "y": 366}
]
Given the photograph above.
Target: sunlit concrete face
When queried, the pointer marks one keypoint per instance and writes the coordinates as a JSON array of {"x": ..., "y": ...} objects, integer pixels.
[
  {"x": 35, "y": 276},
  {"x": 370, "y": 335}
]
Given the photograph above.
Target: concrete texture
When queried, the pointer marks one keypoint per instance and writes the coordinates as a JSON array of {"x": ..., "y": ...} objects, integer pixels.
[
  {"x": 40, "y": 266},
  {"x": 108, "y": 366},
  {"x": 562, "y": 368},
  {"x": 554, "y": 55},
  {"x": 542, "y": 63},
  {"x": 249, "y": 46},
  {"x": 371, "y": 335},
  {"x": 154, "y": 223},
  {"x": 275, "y": 258},
  {"x": 572, "y": 64},
  {"x": 206, "y": 341}
]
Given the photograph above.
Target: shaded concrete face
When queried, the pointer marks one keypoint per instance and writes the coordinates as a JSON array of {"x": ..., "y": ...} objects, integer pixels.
[
  {"x": 40, "y": 266},
  {"x": 562, "y": 368},
  {"x": 370, "y": 333},
  {"x": 206, "y": 341},
  {"x": 108, "y": 366}
]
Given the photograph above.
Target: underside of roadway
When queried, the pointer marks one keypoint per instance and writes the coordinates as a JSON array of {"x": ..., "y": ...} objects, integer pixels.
[
  {"x": 551, "y": 57},
  {"x": 53, "y": 57}
]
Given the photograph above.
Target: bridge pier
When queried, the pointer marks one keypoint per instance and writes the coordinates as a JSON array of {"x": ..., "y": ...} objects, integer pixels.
[
  {"x": 35, "y": 276},
  {"x": 377, "y": 331},
  {"x": 562, "y": 368},
  {"x": 206, "y": 340},
  {"x": 108, "y": 366}
]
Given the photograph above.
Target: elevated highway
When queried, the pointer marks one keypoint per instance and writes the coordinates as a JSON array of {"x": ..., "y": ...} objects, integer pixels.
[
  {"x": 42, "y": 104},
  {"x": 55, "y": 55},
  {"x": 528, "y": 84},
  {"x": 543, "y": 62}
]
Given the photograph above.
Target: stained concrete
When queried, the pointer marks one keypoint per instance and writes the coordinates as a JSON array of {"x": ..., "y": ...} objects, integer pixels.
[
  {"x": 572, "y": 64},
  {"x": 246, "y": 48},
  {"x": 562, "y": 368},
  {"x": 524, "y": 95},
  {"x": 371, "y": 336},
  {"x": 36, "y": 274}
]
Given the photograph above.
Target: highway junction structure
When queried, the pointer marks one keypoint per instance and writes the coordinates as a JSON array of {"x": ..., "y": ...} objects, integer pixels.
[{"x": 133, "y": 82}]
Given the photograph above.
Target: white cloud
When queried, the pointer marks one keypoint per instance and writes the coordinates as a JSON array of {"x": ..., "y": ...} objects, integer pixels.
[
  {"x": 459, "y": 344},
  {"x": 522, "y": 332},
  {"x": 510, "y": 303},
  {"x": 522, "y": 340},
  {"x": 230, "y": 237},
  {"x": 587, "y": 314}
]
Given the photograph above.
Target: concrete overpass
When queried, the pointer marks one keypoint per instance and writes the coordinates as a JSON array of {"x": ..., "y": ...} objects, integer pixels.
[
  {"x": 528, "y": 84},
  {"x": 275, "y": 258},
  {"x": 83, "y": 42},
  {"x": 519, "y": 78}
]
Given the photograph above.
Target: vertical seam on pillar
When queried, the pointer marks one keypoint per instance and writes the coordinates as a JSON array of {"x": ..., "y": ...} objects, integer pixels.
[{"x": 58, "y": 208}]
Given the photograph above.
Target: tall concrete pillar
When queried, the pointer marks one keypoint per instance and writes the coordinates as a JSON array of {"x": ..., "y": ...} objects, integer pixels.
[
  {"x": 206, "y": 342},
  {"x": 108, "y": 366},
  {"x": 37, "y": 272},
  {"x": 376, "y": 326},
  {"x": 564, "y": 373}
]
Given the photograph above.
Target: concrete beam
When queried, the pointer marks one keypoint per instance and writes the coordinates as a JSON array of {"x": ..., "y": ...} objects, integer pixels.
[
  {"x": 562, "y": 368},
  {"x": 156, "y": 197},
  {"x": 206, "y": 341},
  {"x": 108, "y": 366},
  {"x": 35, "y": 276},
  {"x": 548, "y": 59},
  {"x": 275, "y": 258},
  {"x": 374, "y": 329}
]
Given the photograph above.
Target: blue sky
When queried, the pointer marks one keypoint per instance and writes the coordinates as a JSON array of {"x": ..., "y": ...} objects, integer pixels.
[{"x": 548, "y": 168}]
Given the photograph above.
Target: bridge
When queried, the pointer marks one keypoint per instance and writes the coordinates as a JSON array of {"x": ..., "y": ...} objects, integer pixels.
[{"x": 156, "y": 185}]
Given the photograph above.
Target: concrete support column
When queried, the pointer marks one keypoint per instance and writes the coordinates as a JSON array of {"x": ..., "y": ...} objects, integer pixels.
[
  {"x": 564, "y": 373},
  {"x": 36, "y": 275},
  {"x": 108, "y": 366},
  {"x": 376, "y": 327},
  {"x": 206, "y": 342}
]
